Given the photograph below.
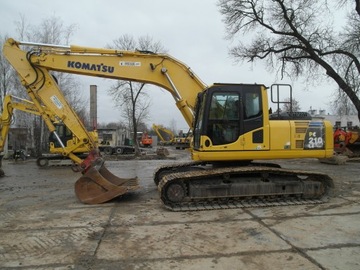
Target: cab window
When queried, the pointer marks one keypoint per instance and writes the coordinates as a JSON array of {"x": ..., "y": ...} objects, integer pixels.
[
  {"x": 252, "y": 105},
  {"x": 223, "y": 124}
]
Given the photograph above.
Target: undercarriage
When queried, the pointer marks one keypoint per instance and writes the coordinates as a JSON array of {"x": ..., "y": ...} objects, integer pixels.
[{"x": 197, "y": 186}]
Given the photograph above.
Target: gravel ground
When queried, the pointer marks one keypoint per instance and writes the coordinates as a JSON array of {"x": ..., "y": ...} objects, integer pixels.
[{"x": 44, "y": 226}]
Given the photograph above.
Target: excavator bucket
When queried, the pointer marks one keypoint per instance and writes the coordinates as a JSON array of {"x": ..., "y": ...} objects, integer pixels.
[{"x": 100, "y": 185}]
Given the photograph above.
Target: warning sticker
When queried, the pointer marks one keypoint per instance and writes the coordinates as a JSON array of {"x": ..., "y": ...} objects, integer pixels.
[
  {"x": 129, "y": 64},
  {"x": 57, "y": 102}
]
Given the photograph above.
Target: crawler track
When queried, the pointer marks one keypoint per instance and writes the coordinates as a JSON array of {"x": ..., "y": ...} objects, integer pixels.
[{"x": 237, "y": 187}]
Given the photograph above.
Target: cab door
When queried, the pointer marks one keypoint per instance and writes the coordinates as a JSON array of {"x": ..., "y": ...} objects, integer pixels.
[
  {"x": 223, "y": 123},
  {"x": 253, "y": 132}
]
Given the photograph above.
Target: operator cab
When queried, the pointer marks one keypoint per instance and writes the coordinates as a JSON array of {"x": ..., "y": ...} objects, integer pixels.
[
  {"x": 63, "y": 133},
  {"x": 227, "y": 111}
]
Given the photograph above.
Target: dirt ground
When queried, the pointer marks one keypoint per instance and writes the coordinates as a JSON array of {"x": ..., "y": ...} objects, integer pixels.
[{"x": 44, "y": 226}]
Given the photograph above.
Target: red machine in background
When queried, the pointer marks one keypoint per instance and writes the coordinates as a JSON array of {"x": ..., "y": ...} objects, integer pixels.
[
  {"x": 146, "y": 140},
  {"x": 347, "y": 142}
]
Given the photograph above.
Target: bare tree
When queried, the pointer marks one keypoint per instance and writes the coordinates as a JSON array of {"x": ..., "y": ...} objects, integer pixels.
[
  {"x": 134, "y": 105},
  {"x": 298, "y": 38},
  {"x": 130, "y": 96},
  {"x": 290, "y": 106},
  {"x": 341, "y": 105}
]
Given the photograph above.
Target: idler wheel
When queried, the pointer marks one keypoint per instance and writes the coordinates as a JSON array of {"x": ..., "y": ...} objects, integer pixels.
[{"x": 175, "y": 192}]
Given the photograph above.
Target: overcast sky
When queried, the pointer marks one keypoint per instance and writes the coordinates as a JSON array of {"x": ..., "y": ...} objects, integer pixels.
[{"x": 191, "y": 30}]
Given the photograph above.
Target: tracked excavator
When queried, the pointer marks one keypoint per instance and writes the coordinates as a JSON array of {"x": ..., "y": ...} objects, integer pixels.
[
  {"x": 165, "y": 135},
  {"x": 232, "y": 131},
  {"x": 12, "y": 103}
]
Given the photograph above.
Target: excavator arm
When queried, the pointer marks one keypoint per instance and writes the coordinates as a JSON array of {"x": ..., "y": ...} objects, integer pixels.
[{"x": 34, "y": 68}]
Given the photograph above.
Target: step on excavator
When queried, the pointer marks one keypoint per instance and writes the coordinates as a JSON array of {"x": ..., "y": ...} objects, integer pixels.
[{"x": 233, "y": 132}]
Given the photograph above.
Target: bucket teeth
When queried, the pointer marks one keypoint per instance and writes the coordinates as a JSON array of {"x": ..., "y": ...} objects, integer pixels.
[{"x": 100, "y": 185}]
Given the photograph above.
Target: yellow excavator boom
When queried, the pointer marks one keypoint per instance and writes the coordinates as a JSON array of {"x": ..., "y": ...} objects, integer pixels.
[
  {"x": 159, "y": 129},
  {"x": 158, "y": 69}
]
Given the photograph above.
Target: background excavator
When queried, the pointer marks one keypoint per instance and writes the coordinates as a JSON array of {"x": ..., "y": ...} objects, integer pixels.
[
  {"x": 165, "y": 135},
  {"x": 230, "y": 125},
  {"x": 12, "y": 103},
  {"x": 146, "y": 140}
]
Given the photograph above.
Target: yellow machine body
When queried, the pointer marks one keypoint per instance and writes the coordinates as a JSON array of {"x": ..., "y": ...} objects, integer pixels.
[{"x": 221, "y": 133}]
